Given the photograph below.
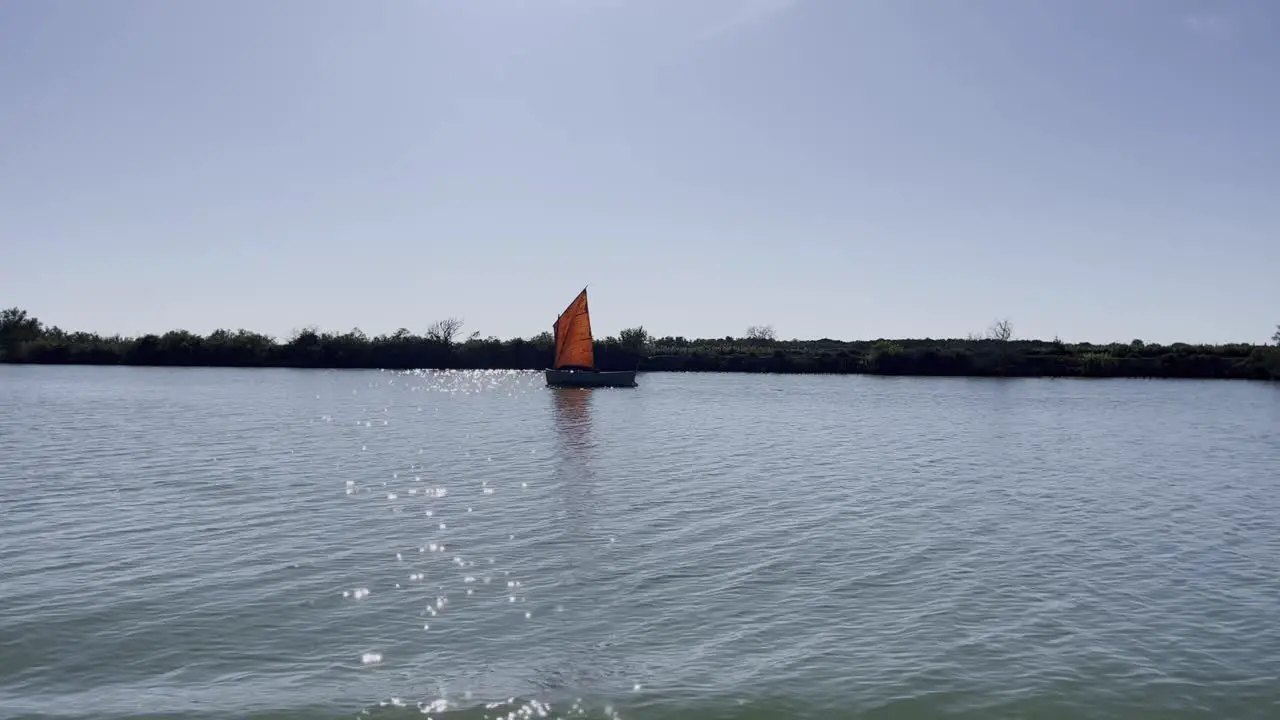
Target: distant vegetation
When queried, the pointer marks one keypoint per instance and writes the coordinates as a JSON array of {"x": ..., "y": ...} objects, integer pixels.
[{"x": 24, "y": 339}]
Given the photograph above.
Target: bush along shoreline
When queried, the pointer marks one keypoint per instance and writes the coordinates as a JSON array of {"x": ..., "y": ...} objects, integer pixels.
[{"x": 24, "y": 339}]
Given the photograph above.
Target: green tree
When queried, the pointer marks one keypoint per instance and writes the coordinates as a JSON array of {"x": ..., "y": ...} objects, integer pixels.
[
  {"x": 16, "y": 328},
  {"x": 635, "y": 340}
]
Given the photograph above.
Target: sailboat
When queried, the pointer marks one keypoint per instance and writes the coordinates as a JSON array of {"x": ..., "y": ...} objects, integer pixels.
[{"x": 575, "y": 361}]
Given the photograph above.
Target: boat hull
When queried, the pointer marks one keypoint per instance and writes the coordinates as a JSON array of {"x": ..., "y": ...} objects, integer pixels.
[{"x": 591, "y": 378}]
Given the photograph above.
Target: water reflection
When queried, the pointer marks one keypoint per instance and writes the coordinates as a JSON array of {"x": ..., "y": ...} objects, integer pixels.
[
  {"x": 575, "y": 473},
  {"x": 573, "y": 420},
  {"x": 582, "y": 542}
]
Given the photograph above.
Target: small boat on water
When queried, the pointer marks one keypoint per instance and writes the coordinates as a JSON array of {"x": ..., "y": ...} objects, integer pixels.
[{"x": 575, "y": 359}]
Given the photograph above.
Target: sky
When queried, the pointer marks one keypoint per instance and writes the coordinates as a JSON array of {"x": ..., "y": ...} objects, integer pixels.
[{"x": 1092, "y": 170}]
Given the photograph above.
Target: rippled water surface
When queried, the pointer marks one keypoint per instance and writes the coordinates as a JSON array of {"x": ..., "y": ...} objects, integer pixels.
[{"x": 307, "y": 544}]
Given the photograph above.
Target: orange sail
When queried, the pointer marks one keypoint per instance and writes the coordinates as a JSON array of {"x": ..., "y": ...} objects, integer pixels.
[{"x": 574, "y": 345}]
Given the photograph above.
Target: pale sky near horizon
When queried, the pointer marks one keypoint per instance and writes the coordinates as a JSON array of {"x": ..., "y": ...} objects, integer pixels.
[{"x": 1094, "y": 170}]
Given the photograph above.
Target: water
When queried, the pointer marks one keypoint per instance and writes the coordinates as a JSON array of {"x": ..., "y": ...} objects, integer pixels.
[{"x": 293, "y": 544}]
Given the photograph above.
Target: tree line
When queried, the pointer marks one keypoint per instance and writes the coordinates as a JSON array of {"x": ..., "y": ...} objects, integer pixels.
[{"x": 25, "y": 339}]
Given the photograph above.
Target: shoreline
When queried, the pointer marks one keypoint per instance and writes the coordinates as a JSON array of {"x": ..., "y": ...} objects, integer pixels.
[
  {"x": 904, "y": 358},
  {"x": 25, "y": 340},
  {"x": 641, "y": 372}
]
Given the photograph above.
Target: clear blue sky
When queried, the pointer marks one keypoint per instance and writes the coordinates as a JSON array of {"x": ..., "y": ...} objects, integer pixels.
[{"x": 903, "y": 168}]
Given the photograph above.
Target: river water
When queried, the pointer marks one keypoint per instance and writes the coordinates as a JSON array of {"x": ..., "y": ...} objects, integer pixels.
[{"x": 217, "y": 543}]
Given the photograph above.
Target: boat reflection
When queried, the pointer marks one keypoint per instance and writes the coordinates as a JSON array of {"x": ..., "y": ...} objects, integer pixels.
[
  {"x": 578, "y": 542},
  {"x": 575, "y": 474},
  {"x": 573, "y": 420}
]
